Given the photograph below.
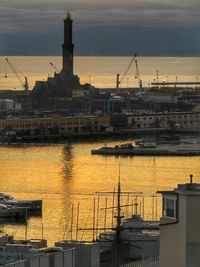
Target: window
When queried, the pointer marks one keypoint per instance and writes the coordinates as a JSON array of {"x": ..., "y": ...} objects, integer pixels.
[
  {"x": 169, "y": 206},
  {"x": 170, "y": 212}
]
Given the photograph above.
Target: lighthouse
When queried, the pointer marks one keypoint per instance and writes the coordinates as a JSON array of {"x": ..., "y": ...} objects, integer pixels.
[
  {"x": 68, "y": 46},
  {"x": 64, "y": 88}
]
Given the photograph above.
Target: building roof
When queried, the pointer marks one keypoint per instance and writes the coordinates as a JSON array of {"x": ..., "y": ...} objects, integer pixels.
[{"x": 187, "y": 188}]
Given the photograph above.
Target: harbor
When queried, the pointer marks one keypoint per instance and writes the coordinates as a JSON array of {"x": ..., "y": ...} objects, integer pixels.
[{"x": 99, "y": 161}]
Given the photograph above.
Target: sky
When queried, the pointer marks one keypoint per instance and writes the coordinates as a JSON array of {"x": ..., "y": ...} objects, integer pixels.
[{"x": 101, "y": 27}]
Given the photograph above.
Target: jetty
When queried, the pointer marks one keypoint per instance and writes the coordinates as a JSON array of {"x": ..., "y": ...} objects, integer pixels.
[{"x": 187, "y": 148}]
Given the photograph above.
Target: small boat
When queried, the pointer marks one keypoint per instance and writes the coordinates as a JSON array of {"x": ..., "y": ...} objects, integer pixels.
[
  {"x": 31, "y": 205},
  {"x": 147, "y": 144},
  {"x": 12, "y": 212}
]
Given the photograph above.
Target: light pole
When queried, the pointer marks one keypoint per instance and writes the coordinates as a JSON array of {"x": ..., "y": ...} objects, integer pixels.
[{"x": 127, "y": 82}]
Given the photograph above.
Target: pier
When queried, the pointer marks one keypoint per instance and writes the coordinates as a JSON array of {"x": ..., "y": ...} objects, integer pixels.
[{"x": 186, "y": 148}]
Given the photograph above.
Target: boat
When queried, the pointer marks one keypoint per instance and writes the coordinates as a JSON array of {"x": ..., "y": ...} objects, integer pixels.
[
  {"x": 147, "y": 144},
  {"x": 124, "y": 148},
  {"x": 7, "y": 211},
  {"x": 31, "y": 205},
  {"x": 138, "y": 239}
]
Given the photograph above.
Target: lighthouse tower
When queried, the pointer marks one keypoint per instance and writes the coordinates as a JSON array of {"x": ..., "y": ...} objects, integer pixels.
[{"x": 68, "y": 46}]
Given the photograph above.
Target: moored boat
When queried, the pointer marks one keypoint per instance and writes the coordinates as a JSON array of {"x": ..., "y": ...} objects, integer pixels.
[
  {"x": 7, "y": 211},
  {"x": 31, "y": 205}
]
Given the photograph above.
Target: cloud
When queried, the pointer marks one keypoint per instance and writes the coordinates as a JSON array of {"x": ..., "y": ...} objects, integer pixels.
[
  {"x": 148, "y": 26},
  {"x": 46, "y": 15}
]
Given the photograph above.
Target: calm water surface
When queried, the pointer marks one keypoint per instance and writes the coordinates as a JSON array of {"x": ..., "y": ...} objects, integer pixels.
[{"x": 63, "y": 175}]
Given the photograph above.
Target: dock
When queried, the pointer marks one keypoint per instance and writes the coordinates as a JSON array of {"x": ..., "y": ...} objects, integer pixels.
[{"x": 182, "y": 149}]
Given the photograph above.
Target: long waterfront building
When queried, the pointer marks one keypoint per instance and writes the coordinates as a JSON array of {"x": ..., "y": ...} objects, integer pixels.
[
  {"x": 56, "y": 124},
  {"x": 92, "y": 123}
]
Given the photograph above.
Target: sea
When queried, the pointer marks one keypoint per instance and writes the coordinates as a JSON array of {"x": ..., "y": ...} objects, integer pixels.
[{"x": 68, "y": 178}]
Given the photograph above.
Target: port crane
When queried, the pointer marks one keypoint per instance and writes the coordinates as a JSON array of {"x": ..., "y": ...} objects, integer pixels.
[
  {"x": 23, "y": 83},
  {"x": 119, "y": 81},
  {"x": 137, "y": 75},
  {"x": 54, "y": 67}
]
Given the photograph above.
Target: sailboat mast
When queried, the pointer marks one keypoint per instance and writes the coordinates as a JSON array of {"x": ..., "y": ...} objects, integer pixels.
[{"x": 118, "y": 228}]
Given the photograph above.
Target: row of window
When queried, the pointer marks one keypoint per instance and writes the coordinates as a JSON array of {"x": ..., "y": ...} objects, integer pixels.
[
  {"x": 48, "y": 124},
  {"x": 182, "y": 117},
  {"x": 184, "y": 122}
]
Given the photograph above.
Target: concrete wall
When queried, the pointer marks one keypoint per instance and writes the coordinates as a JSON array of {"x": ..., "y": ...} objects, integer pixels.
[
  {"x": 193, "y": 254},
  {"x": 173, "y": 239},
  {"x": 180, "y": 242},
  {"x": 193, "y": 231},
  {"x": 193, "y": 218}
]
